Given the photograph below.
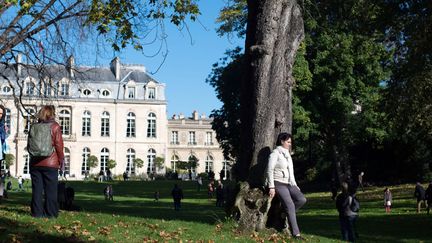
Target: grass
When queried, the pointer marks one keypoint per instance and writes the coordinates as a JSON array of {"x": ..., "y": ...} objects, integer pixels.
[{"x": 133, "y": 216}]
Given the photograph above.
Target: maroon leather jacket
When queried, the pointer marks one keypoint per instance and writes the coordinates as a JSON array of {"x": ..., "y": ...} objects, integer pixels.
[{"x": 56, "y": 159}]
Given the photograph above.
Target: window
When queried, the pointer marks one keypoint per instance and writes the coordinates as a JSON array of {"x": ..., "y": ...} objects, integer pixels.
[
  {"x": 130, "y": 125},
  {"x": 209, "y": 164},
  {"x": 105, "y": 124},
  {"x": 85, "y": 156},
  {"x": 87, "y": 92},
  {"x": 151, "y": 127},
  {"x": 106, "y": 93},
  {"x": 104, "y": 157},
  {"x": 174, "y": 160},
  {"x": 192, "y": 140},
  {"x": 8, "y": 120},
  {"x": 26, "y": 164},
  {"x": 30, "y": 88},
  {"x": 86, "y": 124},
  {"x": 131, "y": 92},
  {"x": 151, "y": 93},
  {"x": 194, "y": 162},
  {"x": 151, "y": 155},
  {"x": 6, "y": 89},
  {"x": 174, "y": 137},
  {"x": 46, "y": 89},
  {"x": 67, "y": 161},
  {"x": 209, "y": 138},
  {"x": 130, "y": 165},
  {"x": 64, "y": 89},
  {"x": 225, "y": 168},
  {"x": 65, "y": 124},
  {"x": 28, "y": 119}
]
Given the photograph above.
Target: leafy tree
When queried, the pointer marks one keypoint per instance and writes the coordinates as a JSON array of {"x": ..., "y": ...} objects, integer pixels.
[
  {"x": 159, "y": 162},
  {"x": 139, "y": 163},
  {"x": 111, "y": 164},
  {"x": 9, "y": 160},
  {"x": 92, "y": 161}
]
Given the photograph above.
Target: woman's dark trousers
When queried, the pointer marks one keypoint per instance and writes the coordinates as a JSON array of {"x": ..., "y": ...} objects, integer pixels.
[{"x": 44, "y": 192}]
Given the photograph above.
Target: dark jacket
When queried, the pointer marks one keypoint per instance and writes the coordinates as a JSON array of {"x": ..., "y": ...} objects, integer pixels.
[
  {"x": 419, "y": 192},
  {"x": 57, "y": 157}
]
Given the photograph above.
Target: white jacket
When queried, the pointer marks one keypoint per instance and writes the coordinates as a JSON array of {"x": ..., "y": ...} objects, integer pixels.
[{"x": 280, "y": 167}]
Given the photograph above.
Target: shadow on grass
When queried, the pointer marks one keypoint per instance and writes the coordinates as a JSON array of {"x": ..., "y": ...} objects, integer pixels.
[
  {"x": 15, "y": 231},
  {"x": 385, "y": 228}
]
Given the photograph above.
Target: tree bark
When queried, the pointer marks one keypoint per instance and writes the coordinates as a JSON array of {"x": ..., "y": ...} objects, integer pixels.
[{"x": 273, "y": 35}]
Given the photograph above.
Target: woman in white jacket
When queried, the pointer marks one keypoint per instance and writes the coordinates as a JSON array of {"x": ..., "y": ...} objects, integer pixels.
[{"x": 280, "y": 174}]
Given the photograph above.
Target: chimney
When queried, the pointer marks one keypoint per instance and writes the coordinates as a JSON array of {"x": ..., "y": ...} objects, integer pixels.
[
  {"x": 181, "y": 116},
  {"x": 70, "y": 65},
  {"x": 195, "y": 115},
  {"x": 115, "y": 67},
  {"x": 18, "y": 64},
  {"x": 203, "y": 116}
]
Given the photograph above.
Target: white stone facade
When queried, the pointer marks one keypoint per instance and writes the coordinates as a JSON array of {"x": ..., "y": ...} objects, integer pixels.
[{"x": 117, "y": 113}]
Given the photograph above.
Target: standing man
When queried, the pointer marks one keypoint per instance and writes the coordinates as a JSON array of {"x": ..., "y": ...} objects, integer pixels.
[
  {"x": 419, "y": 193},
  {"x": 360, "y": 180}
]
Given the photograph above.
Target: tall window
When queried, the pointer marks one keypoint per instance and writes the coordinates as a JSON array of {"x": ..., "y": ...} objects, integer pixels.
[
  {"x": 151, "y": 93},
  {"x": 8, "y": 121},
  {"x": 151, "y": 127},
  {"x": 130, "y": 165},
  {"x": 174, "y": 160},
  {"x": 26, "y": 164},
  {"x": 225, "y": 168},
  {"x": 105, "y": 124},
  {"x": 192, "y": 138},
  {"x": 86, "y": 123},
  {"x": 209, "y": 164},
  {"x": 151, "y": 155},
  {"x": 67, "y": 161},
  {"x": 64, "y": 89},
  {"x": 130, "y": 125},
  {"x": 65, "y": 123},
  {"x": 28, "y": 119},
  {"x": 104, "y": 157},
  {"x": 130, "y": 92},
  {"x": 30, "y": 88},
  {"x": 46, "y": 89},
  {"x": 85, "y": 156},
  {"x": 209, "y": 138},
  {"x": 174, "y": 137}
]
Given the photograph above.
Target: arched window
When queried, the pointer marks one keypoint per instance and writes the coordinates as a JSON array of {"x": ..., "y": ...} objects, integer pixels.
[
  {"x": 209, "y": 164},
  {"x": 65, "y": 123},
  {"x": 174, "y": 160},
  {"x": 67, "y": 161},
  {"x": 151, "y": 127},
  {"x": 105, "y": 124},
  {"x": 193, "y": 162},
  {"x": 86, "y": 123},
  {"x": 104, "y": 157},
  {"x": 130, "y": 165},
  {"x": 85, "y": 156},
  {"x": 130, "y": 125},
  {"x": 151, "y": 155}
]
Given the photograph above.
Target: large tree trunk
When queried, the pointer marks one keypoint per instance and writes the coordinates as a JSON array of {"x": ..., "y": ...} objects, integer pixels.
[{"x": 274, "y": 32}]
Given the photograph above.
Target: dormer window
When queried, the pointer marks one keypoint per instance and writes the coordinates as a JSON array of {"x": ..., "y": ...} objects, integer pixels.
[
  {"x": 6, "y": 89},
  {"x": 30, "y": 88},
  {"x": 64, "y": 89},
  {"x": 130, "y": 92},
  {"x": 87, "y": 92},
  {"x": 106, "y": 93},
  {"x": 151, "y": 93}
]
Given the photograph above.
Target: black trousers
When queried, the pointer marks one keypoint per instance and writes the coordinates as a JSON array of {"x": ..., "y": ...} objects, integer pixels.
[{"x": 44, "y": 192}]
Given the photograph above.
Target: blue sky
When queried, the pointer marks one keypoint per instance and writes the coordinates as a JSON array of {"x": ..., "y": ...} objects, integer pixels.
[{"x": 189, "y": 62}]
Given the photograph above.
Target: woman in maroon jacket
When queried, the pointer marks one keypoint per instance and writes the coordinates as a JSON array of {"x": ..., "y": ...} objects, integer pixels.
[{"x": 44, "y": 170}]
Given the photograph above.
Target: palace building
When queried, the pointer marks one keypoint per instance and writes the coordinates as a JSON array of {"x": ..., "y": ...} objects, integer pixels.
[{"x": 114, "y": 113}]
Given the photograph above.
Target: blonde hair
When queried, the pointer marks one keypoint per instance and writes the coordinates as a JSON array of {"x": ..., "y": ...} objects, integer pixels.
[{"x": 46, "y": 113}]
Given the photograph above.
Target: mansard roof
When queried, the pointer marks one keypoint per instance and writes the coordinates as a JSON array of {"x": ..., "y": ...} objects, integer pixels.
[{"x": 82, "y": 73}]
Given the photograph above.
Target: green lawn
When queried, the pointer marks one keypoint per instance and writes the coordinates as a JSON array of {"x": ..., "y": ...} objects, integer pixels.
[{"x": 133, "y": 216}]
